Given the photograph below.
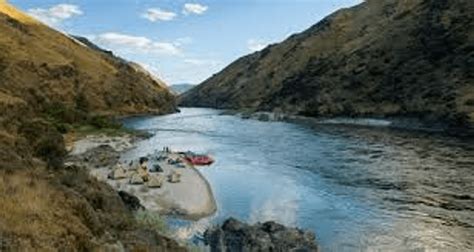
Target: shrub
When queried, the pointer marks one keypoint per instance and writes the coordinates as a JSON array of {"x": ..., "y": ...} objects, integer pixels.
[
  {"x": 151, "y": 220},
  {"x": 50, "y": 147},
  {"x": 82, "y": 104},
  {"x": 60, "y": 112},
  {"x": 102, "y": 122},
  {"x": 63, "y": 117},
  {"x": 46, "y": 142}
]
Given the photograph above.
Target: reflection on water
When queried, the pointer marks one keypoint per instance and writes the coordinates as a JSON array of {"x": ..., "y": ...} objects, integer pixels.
[{"x": 357, "y": 188}]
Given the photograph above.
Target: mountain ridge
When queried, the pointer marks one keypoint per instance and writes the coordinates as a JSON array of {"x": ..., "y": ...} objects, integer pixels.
[
  {"x": 181, "y": 88},
  {"x": 376, "y": 59}
]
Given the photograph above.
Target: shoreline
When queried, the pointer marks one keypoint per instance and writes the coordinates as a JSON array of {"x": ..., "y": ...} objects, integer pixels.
[
  {"x": 190, "y": 199},
  {"x": 390, "y": 122}
]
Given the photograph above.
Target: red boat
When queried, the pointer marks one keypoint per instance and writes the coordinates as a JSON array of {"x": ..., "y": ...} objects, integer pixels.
[{"x": 200, "y": 160}]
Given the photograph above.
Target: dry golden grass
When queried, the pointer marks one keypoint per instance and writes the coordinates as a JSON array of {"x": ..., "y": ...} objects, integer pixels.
[
  {"x": 6, "y": 99},
  {"x": 14, "y": 13},
  {"x": 35, "y": 213},
  {"x": 54, "y": 48},
  {"x": 38, "y": 61}
]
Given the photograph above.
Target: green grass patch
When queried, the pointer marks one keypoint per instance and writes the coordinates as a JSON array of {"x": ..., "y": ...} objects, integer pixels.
[
  {"x": 152, "y": 220},
  {"x": 67, "y": 119},
  {"x": 84, "y": 130}
]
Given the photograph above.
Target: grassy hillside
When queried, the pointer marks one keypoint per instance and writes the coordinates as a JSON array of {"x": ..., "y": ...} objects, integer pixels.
[
  {"x": 380, "y": 58},
  {"x": 43, "y": 66},
  {"x": 49, "y": 81}
]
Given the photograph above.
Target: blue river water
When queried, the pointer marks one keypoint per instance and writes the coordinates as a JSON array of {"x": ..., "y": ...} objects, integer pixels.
[{"x": 358, "y": 189}]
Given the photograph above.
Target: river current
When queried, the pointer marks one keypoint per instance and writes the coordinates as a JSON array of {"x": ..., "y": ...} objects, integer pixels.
[{"x": 357, "y": 188}]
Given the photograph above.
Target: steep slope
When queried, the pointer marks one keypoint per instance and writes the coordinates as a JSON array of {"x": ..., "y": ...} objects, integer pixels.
[
  {"x": 43, "y": 66},
  {"x": 380, "y": 58},
  {"x": 44, "y": 205}
]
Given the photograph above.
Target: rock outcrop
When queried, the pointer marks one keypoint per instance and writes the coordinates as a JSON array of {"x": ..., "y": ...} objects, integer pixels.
[
  {"x": 380, "y": 58},
  {"x": 234, "y": 235},
  {"x": 131, "y": 201}
]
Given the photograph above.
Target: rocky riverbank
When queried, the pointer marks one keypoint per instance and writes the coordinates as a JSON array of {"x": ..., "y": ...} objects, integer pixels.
[
  {"x": 190, "y": 197},
  {"x": 234, "y": 235},
  {"x": 402, "y": 123},
  {"x": 176, "y": 188}
]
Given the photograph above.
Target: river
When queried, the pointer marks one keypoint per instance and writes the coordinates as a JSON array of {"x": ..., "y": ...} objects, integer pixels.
[{"x": 357, "y": 188}]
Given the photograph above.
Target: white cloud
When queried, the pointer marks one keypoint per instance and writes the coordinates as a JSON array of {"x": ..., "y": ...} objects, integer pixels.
[
  {"x": 256, "y": 45},
  {"x": 137, "y": 44},
  {"x": 194, "y": 8},
  {"x": 55, "y": 14},
  {"x": 157, "y": 14}
]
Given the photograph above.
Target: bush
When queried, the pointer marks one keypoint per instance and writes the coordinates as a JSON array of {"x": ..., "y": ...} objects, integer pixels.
[
  {"x": 102, "y": 122},
  {"x": 51, "y": 148},
  {"x": 62, "y": 113},
  {"x": 46, "y": 142},
  {"x": 151, "y": 220},
  {"x": 63, "y": 117}
]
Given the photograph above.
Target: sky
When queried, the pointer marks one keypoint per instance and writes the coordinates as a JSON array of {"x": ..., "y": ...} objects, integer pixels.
[{"x": 182, "y": 41}]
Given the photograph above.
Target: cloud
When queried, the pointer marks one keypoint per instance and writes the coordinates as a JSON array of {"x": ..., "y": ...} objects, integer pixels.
[
  {"x": 55, "y": 14},
  {"x": 137, "y": 44},
  {"x": 256, "y": 45},
  {"x": 157, "y": 14},
  {"x": 194, "y": 8}
]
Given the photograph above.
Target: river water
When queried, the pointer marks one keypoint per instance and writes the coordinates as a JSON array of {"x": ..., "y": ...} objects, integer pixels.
[{"x": 358, "y": 189}]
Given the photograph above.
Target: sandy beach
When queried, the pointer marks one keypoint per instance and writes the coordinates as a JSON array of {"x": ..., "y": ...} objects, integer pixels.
[{"x": 190, "y": 198}]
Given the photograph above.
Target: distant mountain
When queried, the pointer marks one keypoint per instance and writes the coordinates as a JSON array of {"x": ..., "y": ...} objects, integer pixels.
[
  {"x": 181, "y": 88},
  {"x": 380, "y": 58}
]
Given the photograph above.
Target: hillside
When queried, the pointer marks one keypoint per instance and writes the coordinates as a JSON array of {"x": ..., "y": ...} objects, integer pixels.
[
  {"x": 49, "y": 81},
  {"x": 43, "y": 66},
  {"x": 181, "y": 88},
  {"x": 380, "y": 58}
]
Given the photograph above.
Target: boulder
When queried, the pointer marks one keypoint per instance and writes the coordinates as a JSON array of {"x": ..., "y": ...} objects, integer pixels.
[
  {"x": 118, "y": 172},
  {"x": 131, "y": 201},
  {"x": 155, "y": 182},
  {"x": 234, "y": 235},
  {"x": 136, "y": 179}
]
